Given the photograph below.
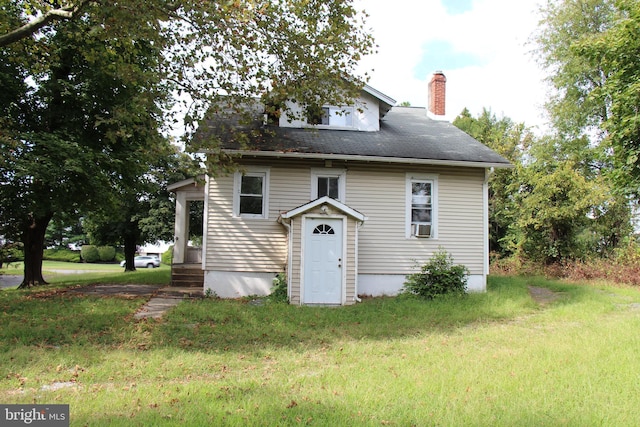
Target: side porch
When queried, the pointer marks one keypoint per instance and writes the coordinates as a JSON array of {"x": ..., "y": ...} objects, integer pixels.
[{"x": 186, "y": 266}]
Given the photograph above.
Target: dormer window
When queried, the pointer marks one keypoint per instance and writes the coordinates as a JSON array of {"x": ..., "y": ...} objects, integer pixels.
[{"x": 330, "y": 116}]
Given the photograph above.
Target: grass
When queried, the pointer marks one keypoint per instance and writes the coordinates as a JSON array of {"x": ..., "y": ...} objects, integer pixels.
[
  {"x": 58, "y": 273},
  {"x": 487, "y": 359}
]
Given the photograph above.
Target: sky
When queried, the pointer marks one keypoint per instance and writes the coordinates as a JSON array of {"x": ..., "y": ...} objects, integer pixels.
[{"x": 482, "y": 46}]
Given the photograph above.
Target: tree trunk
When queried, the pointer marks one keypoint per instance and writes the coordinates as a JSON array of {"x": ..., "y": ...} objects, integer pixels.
[
  {"x": 130, "y": 252},
  {"x": 33, "y": 240}
]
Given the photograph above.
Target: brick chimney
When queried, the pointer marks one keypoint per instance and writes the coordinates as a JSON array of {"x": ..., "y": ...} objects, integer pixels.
[{"x": 437, "y": 91}]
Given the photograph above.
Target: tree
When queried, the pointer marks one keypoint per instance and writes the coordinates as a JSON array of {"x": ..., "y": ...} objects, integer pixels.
[
  {"x": 565, "y": 25},
  {"x": 618, "y": 49},
  {"x": 142, "y": 210},
  {"x": 510, "y": 140},
  {"x": 82, "y": 120},
  {"x": 90, "y": 80}
]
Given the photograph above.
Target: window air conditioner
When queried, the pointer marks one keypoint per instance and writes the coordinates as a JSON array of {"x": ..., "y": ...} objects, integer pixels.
[{"x": 422, "y": 230}]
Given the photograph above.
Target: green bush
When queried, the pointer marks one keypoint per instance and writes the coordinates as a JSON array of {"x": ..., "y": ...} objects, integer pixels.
[
  {"x": 11, "y": 252},
  {"x": 279, "y": 289},
  {"x": 64, "y": 255},
  {"x": 90, "y": 253},
  {"x": 167, "y": 257},
  {"x": 439, "y": 276},
  {"x": 106, "y": 253}
]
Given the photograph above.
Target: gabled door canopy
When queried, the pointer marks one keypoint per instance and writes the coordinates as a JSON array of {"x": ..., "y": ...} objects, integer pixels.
[{"x": 325, "y": 200}]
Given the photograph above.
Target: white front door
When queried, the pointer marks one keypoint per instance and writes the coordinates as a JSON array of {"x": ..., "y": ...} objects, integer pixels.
[{"x": 323, "y": 261}]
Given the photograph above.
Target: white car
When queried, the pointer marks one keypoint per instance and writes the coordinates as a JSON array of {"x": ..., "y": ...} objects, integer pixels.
[{"x": 144, "y": 261}]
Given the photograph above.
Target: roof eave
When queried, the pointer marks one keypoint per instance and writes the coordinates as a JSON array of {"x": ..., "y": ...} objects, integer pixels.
[{"x": 373, "y": 159}]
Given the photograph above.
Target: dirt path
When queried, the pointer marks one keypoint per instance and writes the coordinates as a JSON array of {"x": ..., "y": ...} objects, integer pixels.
[{"x": 542, "y": 295}]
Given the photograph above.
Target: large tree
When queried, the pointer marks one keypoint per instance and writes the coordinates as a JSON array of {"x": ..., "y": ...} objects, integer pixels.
[
  {"x": 142, "y": 210},
  {"x": 590, "y": 49},
  {"x": 89, "y": 79},
  {"x": 511, "y": 140}
]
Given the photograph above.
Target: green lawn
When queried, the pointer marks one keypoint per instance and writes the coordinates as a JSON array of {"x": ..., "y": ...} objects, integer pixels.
[
  {"x": 487, "y": 359},
  {"x": 69, "y": 273}
]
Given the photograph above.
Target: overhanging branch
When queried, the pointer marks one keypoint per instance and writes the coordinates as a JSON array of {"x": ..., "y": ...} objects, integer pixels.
[{"x": 68, "y": 12}]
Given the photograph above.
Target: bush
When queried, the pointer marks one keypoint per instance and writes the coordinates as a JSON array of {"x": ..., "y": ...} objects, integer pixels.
[
  {"x": 90, "y": 253},
  {"x": 106, "y": 253},
  {"x": 11, "y": 252},
  {"x": 167, "y": 256},
  {"x": 64, "y": 255},
  {"x": 279, "y": 289},
  {"x": 439, "y": 276}
]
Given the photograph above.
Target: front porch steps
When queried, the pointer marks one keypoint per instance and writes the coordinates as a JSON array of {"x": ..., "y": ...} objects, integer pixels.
[{"x": 187, "y": 275}]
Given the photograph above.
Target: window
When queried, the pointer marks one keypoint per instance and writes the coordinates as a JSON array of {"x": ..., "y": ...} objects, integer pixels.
[
  {"x": 328, "y": 186},
  {"x": 323, "y": 229},
  {"x": 251, "y": 193},
  {"x": 421, "y": 206},
  {"x": 330, "y": 116},
  {"x": 328, "y": 182}
]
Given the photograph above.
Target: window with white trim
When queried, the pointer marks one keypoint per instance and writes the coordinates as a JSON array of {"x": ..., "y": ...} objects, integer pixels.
[
  {"x": 330, "y": 116},
  {"x": 251, "y": 194},
  {"x": 328, "y": 182},
  {"x": 421, "y": 206}
]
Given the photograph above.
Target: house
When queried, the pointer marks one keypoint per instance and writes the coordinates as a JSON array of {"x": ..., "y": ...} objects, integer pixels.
[{"x": 347, "y": 208}]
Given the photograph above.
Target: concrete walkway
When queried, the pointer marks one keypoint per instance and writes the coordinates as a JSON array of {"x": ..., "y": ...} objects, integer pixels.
[
  {"x": 164, "y": 300},
  {"x": 161, "y": 298}
]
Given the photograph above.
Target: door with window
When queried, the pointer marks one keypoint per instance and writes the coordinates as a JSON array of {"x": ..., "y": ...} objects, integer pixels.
[{"x": 323, "y": 259}]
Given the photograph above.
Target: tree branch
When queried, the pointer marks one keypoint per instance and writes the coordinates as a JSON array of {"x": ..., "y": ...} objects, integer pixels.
[{"x": 31, "y": 27}]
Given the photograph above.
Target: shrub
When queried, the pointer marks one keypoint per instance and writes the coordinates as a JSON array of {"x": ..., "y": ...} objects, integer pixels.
[
  {"x": 106, "y": 253},
  {"x": 64, "y": 255},
  {"x": 279, "y": 289},
  {"x": 167, "y": 256},
  {"x": 438, "y": 276},
  {"x": 90, "y": 253},
  {"x": 11, "y": 252}
]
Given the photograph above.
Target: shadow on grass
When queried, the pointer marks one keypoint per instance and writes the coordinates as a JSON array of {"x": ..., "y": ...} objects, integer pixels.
[
  {"x": 61, "y": 319},
  {"x": 239, "y": 326}
]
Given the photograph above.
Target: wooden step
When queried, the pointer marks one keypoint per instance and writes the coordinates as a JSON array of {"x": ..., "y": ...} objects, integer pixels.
[{"x": 191, "y": 276}]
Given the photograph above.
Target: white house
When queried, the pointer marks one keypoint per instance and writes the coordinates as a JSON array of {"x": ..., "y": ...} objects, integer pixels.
[{"x": 344, "y": 204}]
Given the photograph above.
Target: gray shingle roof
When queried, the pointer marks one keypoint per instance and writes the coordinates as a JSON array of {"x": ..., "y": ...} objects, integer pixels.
[{"x": 405, "y": 133}]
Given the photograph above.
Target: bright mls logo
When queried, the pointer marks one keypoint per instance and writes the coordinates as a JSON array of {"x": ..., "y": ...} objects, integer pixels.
[{"x": 34, "y": 415}]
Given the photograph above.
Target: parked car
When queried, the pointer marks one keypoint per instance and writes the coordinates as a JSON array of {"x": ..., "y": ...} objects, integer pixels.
[{"x": 144, "y": 261}]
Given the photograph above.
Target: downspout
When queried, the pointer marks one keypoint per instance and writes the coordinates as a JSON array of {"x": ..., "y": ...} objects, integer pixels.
[
  {"x": 355, "y": 268},
  {"x": 485, "y": 207},
  {"x": 287, "y": 225}
]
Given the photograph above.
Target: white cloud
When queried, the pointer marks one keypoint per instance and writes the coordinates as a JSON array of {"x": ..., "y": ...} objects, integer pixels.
[{"x": 504, "y": 76}]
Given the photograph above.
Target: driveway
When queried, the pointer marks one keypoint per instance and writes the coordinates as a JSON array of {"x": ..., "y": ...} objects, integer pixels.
[{"x": 9, "y": 280}]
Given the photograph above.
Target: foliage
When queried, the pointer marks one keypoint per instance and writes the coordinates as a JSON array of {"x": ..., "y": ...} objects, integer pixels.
[
  {"x": 280, "y": 289},
  {"x": 11, "y": 252},
  {"x": 590, "y": 49},
  {"x": 167, "y": 256},
  {"x": 555, "y": 205},
  {"x": 90, "y": 253},
  {"x": 88, "y": 86},
  {"x": 574, "y": 76},
  {"x": 106, "y": 253},
  {"x": 438, "y": 276},
  {"x": 510, "y": 140},
  {"x": 65, "y": 255}
]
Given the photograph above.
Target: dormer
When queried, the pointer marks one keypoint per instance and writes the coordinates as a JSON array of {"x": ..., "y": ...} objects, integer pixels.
[{"x": 364, "y": 115}]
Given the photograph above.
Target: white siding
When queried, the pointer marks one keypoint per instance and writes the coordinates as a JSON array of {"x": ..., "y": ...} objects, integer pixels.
[
  {"x": 379, "y": 193},
  {"x": 376, "y": 190}
]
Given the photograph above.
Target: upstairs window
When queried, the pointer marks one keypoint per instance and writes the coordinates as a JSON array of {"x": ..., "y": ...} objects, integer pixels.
[
  {"x": 330, "y": 116},
  {"x": 328, "y": 186},
  {"x": 251, "y": 194},
  {"x": 421, "y": 206},
  {"x": 328, "y": 182}
]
